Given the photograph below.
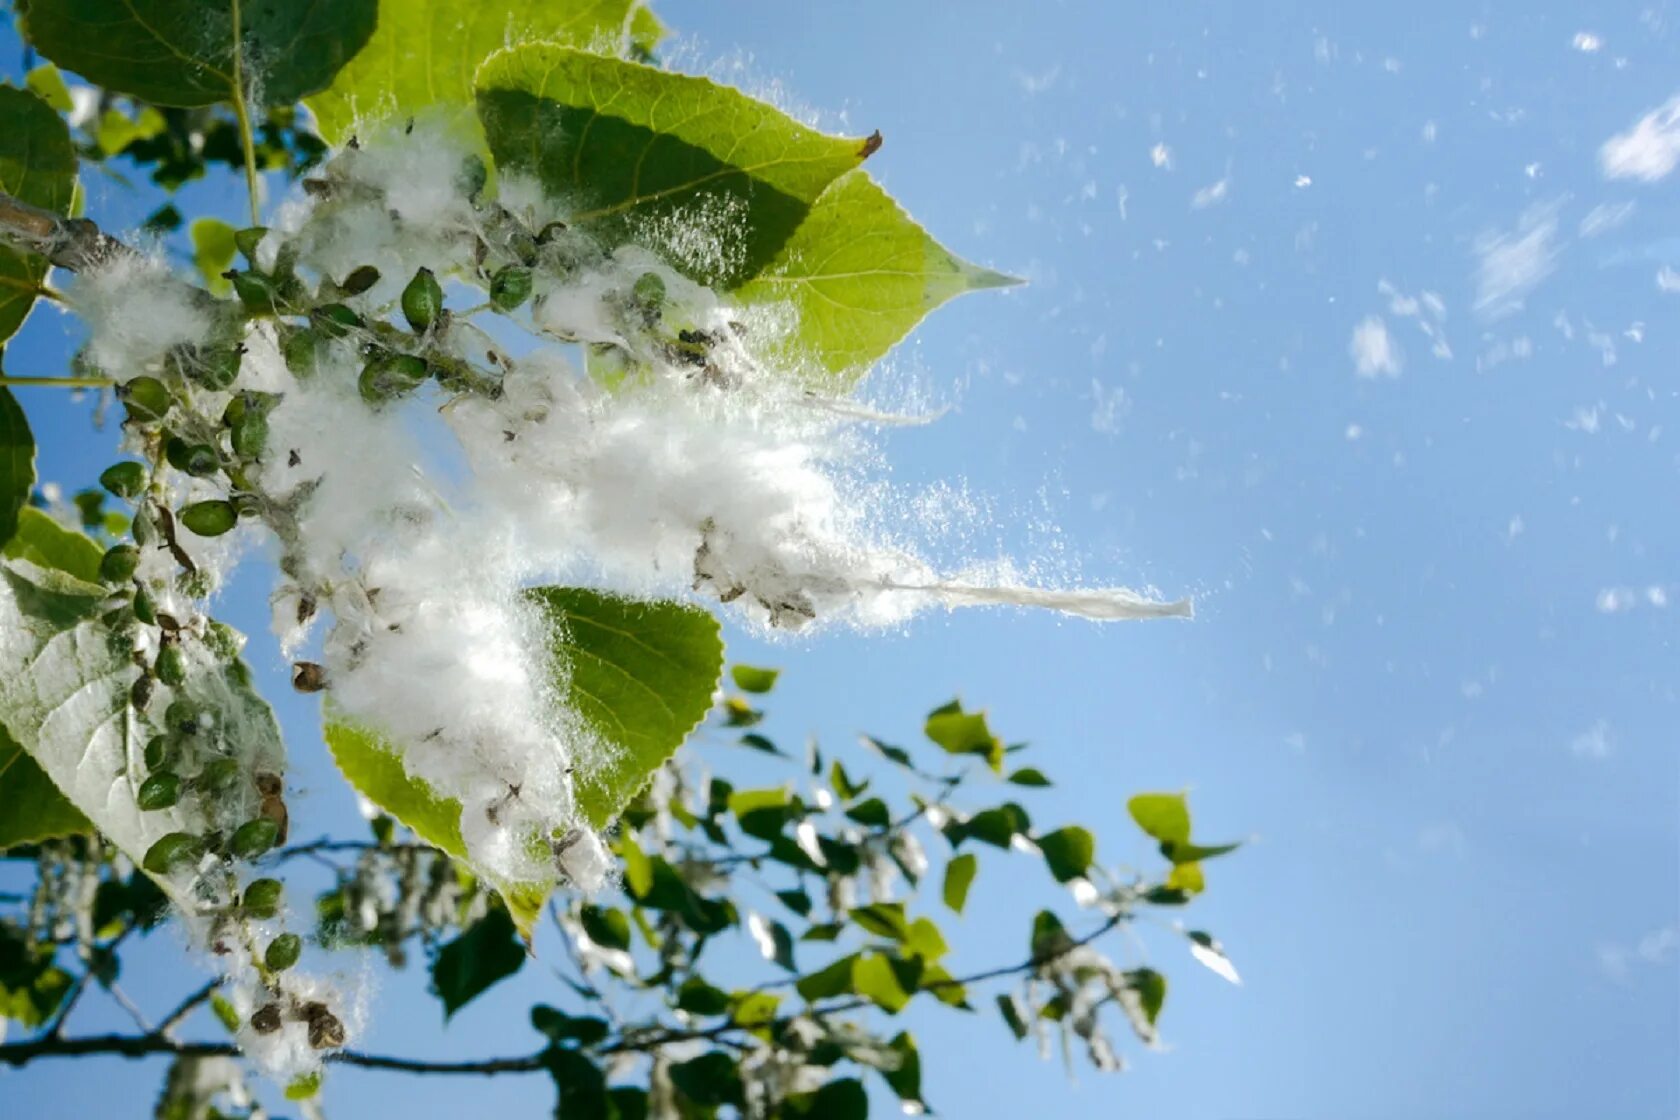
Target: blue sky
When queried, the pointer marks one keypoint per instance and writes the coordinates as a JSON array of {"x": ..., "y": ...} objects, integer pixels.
[{"x": 1341, "y": 322}]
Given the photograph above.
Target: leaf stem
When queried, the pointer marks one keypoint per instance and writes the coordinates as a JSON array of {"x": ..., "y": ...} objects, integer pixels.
[
  {"x": 58, "y": 382},
  {"x": 242, "y": 113}
]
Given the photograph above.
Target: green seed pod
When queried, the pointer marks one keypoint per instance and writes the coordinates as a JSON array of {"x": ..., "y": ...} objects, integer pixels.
[
  {"x": 256, "y": 291},
  {"x": 649, "y": 291},
  {"x": 249, "y": 435},
  {"x": 254, "y": 837},
  {"x": 197, "y": 459},
  {"x": 390, "y": 376},
  {"x": 209, "y": 519},
  {"x": 125, "y": 480},
  {"x": 171, "y": 852},
  {"x": 145, "y": 608},
  {"x": 160, "y": 791},
  {"x": 118, "y": 563},
  {"x": 510, "y": 287},
  {"x": 247, "y": 240},
  {"x": 143, "y": 527},
  {"x": 147, "y": 399},
  {"x": 283, "y": 952},
  {"x": 140, "y": 692},
  {"x": 219, "y": 775},
  {"x": 171, "y": 666},
  {"x": 183, "y": 717},
  {"x": 262, "y": 898},
  {"x": 422, "y": 301},
  {"x": 474, "y": 175},
  {"x": 218, "y": 368},
  {"x": 301, "y": 351},
  {"x": 157, "y": 752},
  {"x": 359, "y": 280},
  {"x": 335, "y": 320}
]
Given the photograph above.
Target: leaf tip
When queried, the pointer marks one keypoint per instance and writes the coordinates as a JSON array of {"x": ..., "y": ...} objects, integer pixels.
[{"x": 871, "y": 144}]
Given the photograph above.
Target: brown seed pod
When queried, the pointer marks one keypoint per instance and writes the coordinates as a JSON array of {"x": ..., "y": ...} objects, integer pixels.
[
  {"x": 266, "y": 1019},
  {"x": 325, "y": 1031}
]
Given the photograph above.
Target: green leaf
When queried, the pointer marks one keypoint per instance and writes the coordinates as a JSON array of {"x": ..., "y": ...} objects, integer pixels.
[
  {"x": 376, "y": 772},
  {"x": 17, "y": 463},
  {"x": 31, "y": 986},
  {"x": 199, "y": 52},
  {"x": 488, "y": 951},
  {"x": 1193, "y": 853},
  {"x": 37, "y": 166},
  {"x": 606, "y": 927},
  {"x": 65, "y": 681},
  {"x": 213, "y": 252},
  {"x": 31, "y": 807},
  {"x": 841, "y": 1099},
  {"x": 834, "y": 980},
  {"x": 424, "y": 53},
  {"x": 884, "y": 919},
  {"x": 640, "y": 674},
  {"x": 1068, "y": 852},
  {"x": 1013, "y": 1015},
  {"x": 560, "y": 1027},
  {"x": 860, "y": 274},
  {"x": 874, "y": 978},
  {"x": 749, "y": 679},
  {"x": 45, "y": 82},
  {"x": 582, "y": 1084},
  {"x": 1165, "y": 816},
  {"x": 959, "y": 873},
  {"x": 1151, "y": 989},
  {"x": 1029, "y": 776},
  {"x": 711, "y": 1080},
  {"x": 960, "y": 732},
  {"x": 645, "y": 155},
  {"x": 906, "y": 1078}
]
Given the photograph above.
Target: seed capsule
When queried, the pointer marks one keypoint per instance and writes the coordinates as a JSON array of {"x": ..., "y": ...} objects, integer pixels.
[
  {"x": 266, "y": 1019},
  {"x": 422, "y": 301},
  {"x": 335, "y": 320},
  {"x": 219, "y": 775},
  {"x": 247, "y": 421},
  {"x": 197, "y": 459},
  {"x": 147, "y": 399},
  {"x": 171, "y": 666},
  {"x": 183, "y": 717},
  {"x": 308, "y": 676},
  {"x": 218, "y": 367},
  {"x": 390, "y": 376},
  {"x": 159, "y": 791},
  {"x": 254, "y": 837},
  {"x": 156, "y": 752},
  {"x": 325, "y": 1031},
  {"x": 125, "y": 480},
  {"x": 209, "y": 519},
  {"x": 256, "y": 291},
  {"x": 649, "y": 291},
  {"x": 510, "y": 287},
  {"x": 118, "y": 563},
  {"x": 359, "y": 280},
  {"x": 283, "y": 952},
  {"x": 262, "y": 898},
  {"x": 171, "y": 852},
  {"x": 301, "y": 351}
]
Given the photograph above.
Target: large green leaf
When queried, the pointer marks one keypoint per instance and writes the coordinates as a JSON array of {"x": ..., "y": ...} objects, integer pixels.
[
  {"x": 716, "y": 181},
  {"x": 425, "y": 52},
  {"x": 65, "y": 676},
  {"x": 376, "y": 771},
  {"x": 31, "y": 808},
  {"x": 860, "y": 274},
  {"x": 200, "y": 52},
  {"x": 38, "y": 166},
  {"x": 641, "y": 674},
  {"x": 43, "y": 541},
  {"x": 17, "y": 463}
]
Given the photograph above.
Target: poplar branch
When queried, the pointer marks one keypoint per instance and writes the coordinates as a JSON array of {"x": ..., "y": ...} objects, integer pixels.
[{"x": 73, "y": 243}]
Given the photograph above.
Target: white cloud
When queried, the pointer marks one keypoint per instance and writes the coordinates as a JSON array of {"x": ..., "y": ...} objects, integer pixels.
[
  {"x": 1161, "y": 156},
  {"x": 1510, "y": 264},
  {"x": 1373, "y": 349},
  {"x": 1655, "y": 949},
  {"x": 1604, "y": 217},
  {"x": 1668, "y": 280},
  {"x": 1586, "y": 42},
  {"x": 1647, "y": 151}
]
